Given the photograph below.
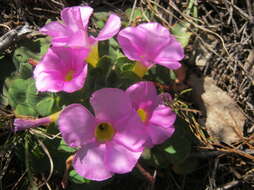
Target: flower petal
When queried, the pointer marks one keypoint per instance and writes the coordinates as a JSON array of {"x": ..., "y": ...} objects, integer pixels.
[
  {"x": 163, "y": 116},
  {"x": 119, "y": 159},
  {"x": 49, "y": 57},
  {"x": 165, "y": 97},
  {"x": 159, "y": 134},
  {"x": 131, "y": 42},
  {"x": 160, "y": 126},
  {"x": 157, "y": 36},
  {"x": 111, "y": 104},
  {"x": 70, "y": 56},
  {"x": 143, "y": 42},
  {"x": 111, "y": 28},
  {"x": 76, "y": 18},
  {"x": 55, "y": 29},
  {"x": 77, "y": 125},
  {"x": 89, "y": 162},
  {"x": 79, "y": 39},
  {"x": 133, "y": 135},
  {"x": 48, "y": 82},
  {"x": 77, "y": 82},
  {"x": 143, "y": 95},
  {"x": 60, "y": 41},
  {"x": 51, "y": 72},
  {"x": 54, "y": 60},
  {"x": 170, "y": 55},
  {"x": 22, "y": 124}
]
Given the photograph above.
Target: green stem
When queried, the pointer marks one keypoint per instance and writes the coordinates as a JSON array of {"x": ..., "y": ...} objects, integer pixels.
[
  {"x": 195, "y": 9},
  {"x": 27, "y": 156},
  {"x": 192, "y": 8}
]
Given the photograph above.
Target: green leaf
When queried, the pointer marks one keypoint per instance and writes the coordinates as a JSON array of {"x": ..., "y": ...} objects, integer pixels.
[
  {"x": 100, "y": 24},
  {"x": 124, "y": 64},
  {"x": 6, "y": 68},
  {"x": 105, "y": 64},
  {"x": 4, "y": 97},
  {"x": 100, "y": 18},
  {"x": 181, "y": 144},
  {"x": 172, "y": 75},
  {"x": 159, "y": 158},
  {"x": 138, "y": 15},
  {"x": 29, "y": 48},
  {"x": 45, "y": 106},
  {"x": 25, "y": 70},
  {"x": 20, "y": 84},
  {"x": 32, "y": 96},
  {"x": 113, "y": 43},
  {"x": 24, "y": 109},
  {"x": 113, "y": 53},
  {"x": 73, "y": 176},
  {"x": 180, "y": 31},
  {"x": 175, "y": 150},
  {"x": 170, "y": 150},
  {"x": 75, "y": 97},
  {"x": 126, "y": 79},
  {"x": 103, "y": 48},
  {"x": 98, "y": 77},
  {"x": 9, "y": 80},
  {"x": 17, "y": 91},
  {"x": 93, "y": 185},
  {"x": 186, "y": 167},
  {"x": 64, "y": 147},
  {"x": 163, "y": 74}
]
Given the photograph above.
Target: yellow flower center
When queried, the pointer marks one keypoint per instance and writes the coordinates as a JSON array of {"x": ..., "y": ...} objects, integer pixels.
[
  {"x": 142, "y": 114},
  {"x": 93, "y": 56},
  {"x": 69, "y": 75},
  {"x": 104, "y": 132},
  {"x": 54, "y": 117},
  {"x": 139, "y": 69}
]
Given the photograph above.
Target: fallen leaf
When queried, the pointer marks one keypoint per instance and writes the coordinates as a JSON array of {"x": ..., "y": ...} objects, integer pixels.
[{"x": 222, "y": 116}]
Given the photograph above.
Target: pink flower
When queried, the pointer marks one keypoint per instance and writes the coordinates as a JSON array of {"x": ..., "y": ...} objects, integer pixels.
[
  {"x": 110, "y": 142},
  {"x": 61, "y": 69},
  {"x": 72, "y": 32},
  {"x": 157, "y": 117},
  {"x": 21, "y": 124},
  {"x": 150, "y": 44}
]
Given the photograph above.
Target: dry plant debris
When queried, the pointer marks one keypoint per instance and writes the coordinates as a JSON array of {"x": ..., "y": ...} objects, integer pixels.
[{"x": 222, "y": 117}]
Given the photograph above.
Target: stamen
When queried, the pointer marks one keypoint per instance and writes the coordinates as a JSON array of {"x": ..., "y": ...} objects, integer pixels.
[
  {"x": 104, "y": 132},
  {"x": 69, "y": 75},
  {"x": 93, "y": 56},
  {"x": 142, "y": 114}
]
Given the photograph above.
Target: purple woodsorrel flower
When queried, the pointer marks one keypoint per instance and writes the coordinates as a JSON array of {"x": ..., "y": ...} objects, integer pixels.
[
  {"x": 157, "y": 117},
  {"x": 61, "y": 69},
  {"x": 72, "y": 31},
  {"x": 111, "y": 141},
  {"x": 21, "y": 124},
  {"x": 150, "y": 44}
]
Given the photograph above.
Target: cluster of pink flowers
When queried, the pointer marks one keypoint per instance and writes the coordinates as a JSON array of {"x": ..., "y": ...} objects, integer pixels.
[
  {"x": 64, "y": 68},
  {"x": 124, "y": 122}
]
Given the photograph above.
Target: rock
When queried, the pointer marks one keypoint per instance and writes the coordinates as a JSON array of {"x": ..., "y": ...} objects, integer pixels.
[{"x": 222, "y": 116}]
